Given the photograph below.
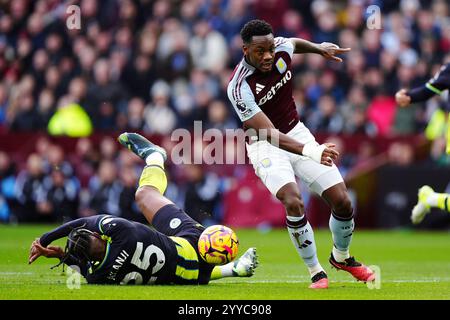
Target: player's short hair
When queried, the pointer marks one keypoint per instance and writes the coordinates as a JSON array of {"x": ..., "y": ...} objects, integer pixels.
[{"x": 255, "y": 28}]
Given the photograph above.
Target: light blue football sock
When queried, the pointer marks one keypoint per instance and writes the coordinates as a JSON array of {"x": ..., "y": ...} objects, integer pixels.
[{"x": 342, "y": 231}]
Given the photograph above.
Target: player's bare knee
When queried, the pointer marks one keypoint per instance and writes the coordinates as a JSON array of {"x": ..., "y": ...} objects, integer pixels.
[
  {"x": 293, "y": 203},
  {"x": 139, "y": 195},
  {"x": 343, "y": 207},
  {"x": 143, "y": 195}
]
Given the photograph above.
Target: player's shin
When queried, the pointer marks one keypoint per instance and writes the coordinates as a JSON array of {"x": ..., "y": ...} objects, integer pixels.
[
  {"x": 302, "y": 236},
  {"x": 342, "y": 231}
]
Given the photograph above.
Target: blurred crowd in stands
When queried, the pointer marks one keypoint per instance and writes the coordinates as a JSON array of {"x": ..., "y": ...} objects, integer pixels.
[{"x": 155, "y": 65}]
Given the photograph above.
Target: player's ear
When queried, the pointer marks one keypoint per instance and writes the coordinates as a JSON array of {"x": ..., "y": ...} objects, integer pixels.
[
  {"x": 97, "y": 235},
  {"x": 245, "y": 48}
]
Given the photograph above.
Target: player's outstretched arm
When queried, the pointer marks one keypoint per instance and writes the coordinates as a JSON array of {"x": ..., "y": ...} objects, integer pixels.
[
  {"x": 64, "y": 230},
  {"x": 405, "y": 97},
  {"x": 324, "y": 154},
  {"x": 436, "y": 85},
  {"x": 326, "y": 49}
]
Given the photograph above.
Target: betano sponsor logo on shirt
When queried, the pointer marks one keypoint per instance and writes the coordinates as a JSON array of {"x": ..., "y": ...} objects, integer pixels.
[{"x": 271, "y": 93}]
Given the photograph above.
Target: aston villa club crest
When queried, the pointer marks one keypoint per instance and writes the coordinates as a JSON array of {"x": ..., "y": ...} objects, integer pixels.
[{"x": 281, "y": 65}]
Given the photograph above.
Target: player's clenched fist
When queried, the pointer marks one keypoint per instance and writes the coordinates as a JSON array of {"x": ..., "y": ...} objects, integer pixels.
[
  {"x": 402, "y": 98},
  {"x": 324, "y": 153}
]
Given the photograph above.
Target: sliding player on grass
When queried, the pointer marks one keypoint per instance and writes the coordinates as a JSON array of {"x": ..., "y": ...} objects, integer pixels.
[
  {"x": 261, "y": 93},
  {"x": 111, "y": 250},
  {"x": 428, "y": 199}
]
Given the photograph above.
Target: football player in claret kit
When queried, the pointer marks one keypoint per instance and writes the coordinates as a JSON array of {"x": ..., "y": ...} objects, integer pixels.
[
  {"x": 260, "y": 90},
  {"x": 111, "y": 250}
]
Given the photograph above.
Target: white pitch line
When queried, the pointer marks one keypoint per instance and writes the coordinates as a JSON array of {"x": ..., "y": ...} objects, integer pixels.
[
  {"x": 343, "y": 281},
  {"x": 16, "y": 273},
  {"x": 306, "y": 280}
]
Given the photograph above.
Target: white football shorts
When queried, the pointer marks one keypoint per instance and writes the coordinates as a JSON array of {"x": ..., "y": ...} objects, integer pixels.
[{"x": 276, "y": 167}]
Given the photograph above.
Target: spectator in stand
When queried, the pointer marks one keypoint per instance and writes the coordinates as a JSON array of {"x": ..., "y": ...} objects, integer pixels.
[
  {"x": 27, "y": 188},
  {"x": 400, "y": 154},
  {"x": 108, "y": 149},
  {"x": 178, "y": 63},
  {"x": 45, "y": 108},
  {"x": 133, "y": 119},
  {"x": 128, "y": 207},
  {"x": 25, "y": 118},
  {"x": 78, "y": 92},
  {"x": 85, "y": 160},
  {"x": 105, "y": 189},
  {"x": 293, "y": 26},
  {"x": 326, "y": 118},
  {"x": 8, "y": 201},
  {"x": 208, "y": 48},
  {"x": 104, "y": 96},
  {"x": 236, "y": 14},
  {"x": 139, "y": 76},
  {"x": 346, "y": 159},
  {"x": 271, "y": 11},
  {"x": 53, "y": 81},
  {"x": 159, "y": 116},
  {"x": 58, "y": 198},
  {"x": 364, "y": 156},
  {"x": 55, "y": 158},
  {"x": 219, "y": 117},
  {"x": 202, "y": 195},
  {"x": 438, "y": 155}
]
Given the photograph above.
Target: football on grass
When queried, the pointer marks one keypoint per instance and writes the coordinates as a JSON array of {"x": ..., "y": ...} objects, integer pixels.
[{"x": 218, "y": 245}]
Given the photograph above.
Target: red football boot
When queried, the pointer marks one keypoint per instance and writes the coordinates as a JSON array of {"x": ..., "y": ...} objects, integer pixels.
[
  {"x": 319, "y": 281},
  {"x": 359, "y": 271}
]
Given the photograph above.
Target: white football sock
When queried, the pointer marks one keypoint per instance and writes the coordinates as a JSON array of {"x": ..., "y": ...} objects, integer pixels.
[
  {"x": 340, "y": 255},
  {"x": 227, "y": 270},
  {"x": 315, "y": 269},
  {"x": 155, "y": 158},
  {"x": 432, "y": 199}
]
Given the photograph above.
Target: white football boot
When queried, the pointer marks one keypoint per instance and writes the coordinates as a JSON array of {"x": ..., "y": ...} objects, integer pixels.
[
  {"x": 422, "y": 207},
  {"x": 245, "y": 266}
]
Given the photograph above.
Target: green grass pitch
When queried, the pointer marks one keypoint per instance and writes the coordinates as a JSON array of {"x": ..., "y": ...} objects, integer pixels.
[{"x": 412, "y": 264}]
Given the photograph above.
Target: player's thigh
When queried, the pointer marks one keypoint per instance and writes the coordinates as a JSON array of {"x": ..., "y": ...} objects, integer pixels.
[
  {"x": 173, "y": 221},
  {"x": 316, "y": 176},
  {"x": 272, "y": 165}
]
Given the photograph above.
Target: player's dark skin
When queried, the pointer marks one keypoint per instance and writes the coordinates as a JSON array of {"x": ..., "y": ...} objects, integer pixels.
[{"x": 260, "y": 53}]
